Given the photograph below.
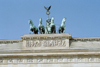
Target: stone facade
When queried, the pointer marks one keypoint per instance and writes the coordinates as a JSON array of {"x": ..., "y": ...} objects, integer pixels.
[{"x": 50, "y": 50}]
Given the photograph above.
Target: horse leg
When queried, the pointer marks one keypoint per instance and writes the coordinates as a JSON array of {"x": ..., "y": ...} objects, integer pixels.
[
  {"x": 47, "y": 32},
  {"x": 43, "y": 30},
  {"x": 29, "y": 31},
  {"x": 60, "y": 31},
  {"x": 64, "y": 29},
  {"x": 40, "y": 31},
  {"x": 54, "y": 30},
  {"x": 37, "y": 31}
]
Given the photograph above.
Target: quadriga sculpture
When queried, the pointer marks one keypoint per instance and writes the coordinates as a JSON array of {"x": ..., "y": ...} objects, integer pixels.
[
  {"x": 41, "y": 27},
  {"x": 52, "y": 25},
  {"x": 32, "y": 27},
  {"x": 62, "y": 27}
]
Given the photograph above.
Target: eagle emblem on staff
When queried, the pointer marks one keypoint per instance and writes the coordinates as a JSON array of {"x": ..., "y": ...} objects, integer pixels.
[{"x": 47, "y": 8}]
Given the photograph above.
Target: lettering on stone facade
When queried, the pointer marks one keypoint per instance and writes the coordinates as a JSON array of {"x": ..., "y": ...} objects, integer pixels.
[
  {"x": 50, "y": 60},
  {"x": 15, "y": 60},
  {"x": 90, "y": 59},
  {"x": 20, "y": 60},
  {"x": 1, "y": 60},
  {"x": 30, "y": 60},
  {"x": 60, "y": 60},
  {"x": 79, "y": 59},
  {"x": 45, "y": 43},
  {"x": 40, "y": 60},
  {"x": 69, "y": 59},
  {"x": 10, "y": 61}
]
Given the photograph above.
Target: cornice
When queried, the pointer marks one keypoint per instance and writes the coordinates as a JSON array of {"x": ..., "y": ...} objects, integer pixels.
[
  {"x": 46, "y": 52},
  {"x": 10, "y": 41},
  {"x": 46, "y": 36},
  {"x": 86, "y": 39}
]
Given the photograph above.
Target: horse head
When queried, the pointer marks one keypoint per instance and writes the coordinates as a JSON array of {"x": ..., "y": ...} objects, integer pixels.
[
  {"x": 52, "y": 25},
  {"x": 30, "y": 22},
  {"x": 64, "y": 20},
  {"x": 40, "y": 20},
  {"x": 52, "y": 20}
]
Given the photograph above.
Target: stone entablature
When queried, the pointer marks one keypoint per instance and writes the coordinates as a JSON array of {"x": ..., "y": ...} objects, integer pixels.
[
  {"x": 50, "y": 50},
  {"x": 50, "y": 41},
  {"x": 57, "y": 56}
]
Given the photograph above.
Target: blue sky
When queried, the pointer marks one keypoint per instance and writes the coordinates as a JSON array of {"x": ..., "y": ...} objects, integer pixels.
[{"x": 83, "y": 16}]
